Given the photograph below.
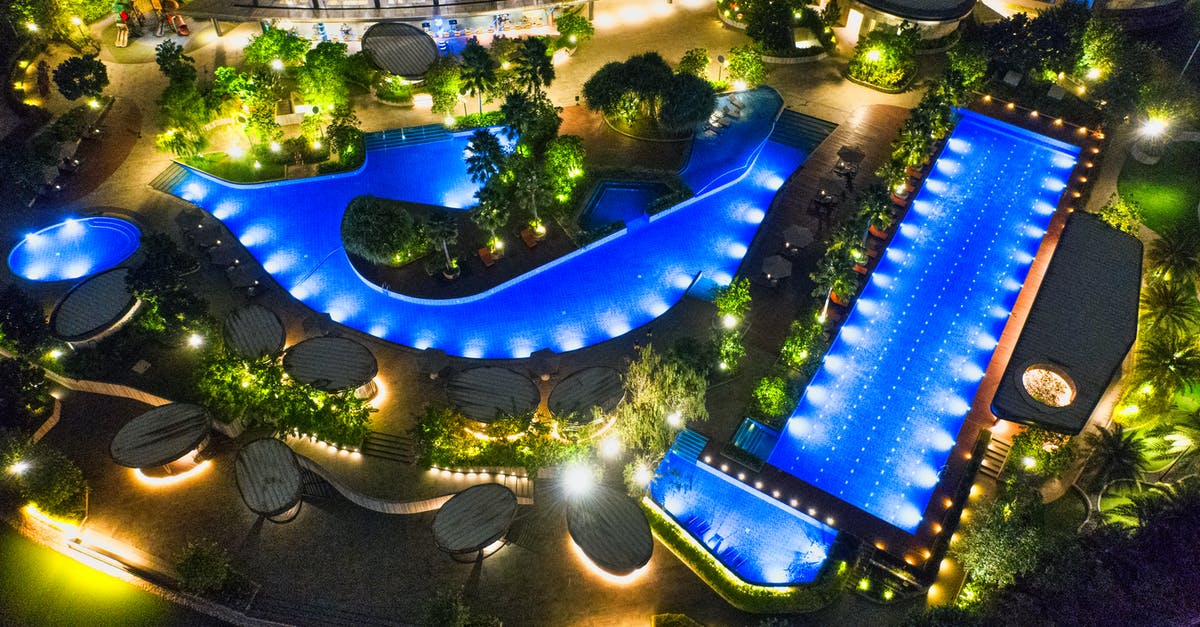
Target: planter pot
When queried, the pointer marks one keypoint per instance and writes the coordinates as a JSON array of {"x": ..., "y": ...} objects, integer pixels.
[
  {"x": 451, "y": 274},
  {"x": 877, "y": 232},
  {"x": 838, "y": 300},
  {"x": 861, "y": 269}
]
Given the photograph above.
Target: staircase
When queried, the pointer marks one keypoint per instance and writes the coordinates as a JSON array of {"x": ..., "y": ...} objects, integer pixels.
[
  {"x": 411, "y": 136},
  {"x": 994, "y": 458},
  {"x": 689, "y": 444},
  {"x": 168, "y": 179},
  {"x": 800, "y": 131},
  {"x": 397, "y": 448}
]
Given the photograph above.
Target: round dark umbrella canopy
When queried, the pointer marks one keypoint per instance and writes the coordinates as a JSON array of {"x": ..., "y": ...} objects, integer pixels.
[{"x": 776, "y": 267}]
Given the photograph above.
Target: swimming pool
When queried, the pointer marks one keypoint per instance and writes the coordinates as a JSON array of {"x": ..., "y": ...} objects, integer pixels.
[
  {"x": 620, "y": 201},
  {"x": 596, "y": 293},
  {"x": 878, "y": 420},
  {"x": 760, "y": 538},
  {"x": 74, "y": 248}
]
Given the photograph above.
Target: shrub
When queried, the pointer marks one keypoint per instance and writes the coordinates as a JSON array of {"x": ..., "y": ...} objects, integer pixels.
[
  {"x": 745, "y": 63},
  {"x": 804, "y": 346},
  {"x": 657, "y": 386},
  {"x": 81, "y": 76},
  {"x": 730, "y": 351},
  {"x": 695, "y": 62},
  {"x": 53, "y": 482},
  {"x": 771, "y": 397},
  {"x": 24, "y": 395},
  {"x": 445, "y": 441},
  {"x": 383, "y": 231},
  {"x": 733, "y": 299},
  {"x": 487, "y": 119},
  {"x": 204, "y": 567},
  {"x": 22, "y": 323},
  {"x": 394, "y": 89},
  {"x": 886, "y": 58},
  {"x": 1122, "y": 214}
]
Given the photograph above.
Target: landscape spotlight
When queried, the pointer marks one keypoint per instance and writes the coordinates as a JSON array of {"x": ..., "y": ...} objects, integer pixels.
[
  {"x": 729, "y": 321},
  {"x": 642, "y": 476},
  {"x": 19, "y": 467},
  {"x": 195, "y": 340},
  {"x": 1029, "y": 462},
  {"x": 1154, "y": 127},
  {"x": 610, "y": 446},
  {"x": 874, "y": 55},
  {"x": 277, "y": 65},
  {"x": 578, "y": 479},
  {"x": 1093, "y": 74},
  {"x": 675, "y": 419}
]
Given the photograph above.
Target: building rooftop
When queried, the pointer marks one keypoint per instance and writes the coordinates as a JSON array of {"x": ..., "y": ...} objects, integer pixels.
[
  {"x": 923, "y": 10},
  {"x": 1082, "y": 324}
]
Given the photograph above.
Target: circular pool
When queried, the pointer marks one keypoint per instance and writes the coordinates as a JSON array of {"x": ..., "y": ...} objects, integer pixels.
[{"x": 74, "y": 248}]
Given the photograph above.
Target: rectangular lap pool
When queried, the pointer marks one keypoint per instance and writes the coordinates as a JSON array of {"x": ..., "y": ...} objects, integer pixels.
[{"x": 877, "y": 422}]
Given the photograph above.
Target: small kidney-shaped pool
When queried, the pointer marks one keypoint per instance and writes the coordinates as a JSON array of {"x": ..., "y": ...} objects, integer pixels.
[{"x": 74, "y": 248}]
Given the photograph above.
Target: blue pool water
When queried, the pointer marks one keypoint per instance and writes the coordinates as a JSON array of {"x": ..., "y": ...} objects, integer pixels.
[
  {"x": 596, "y": 293},
  {"x": 761, "y": 539},
  {"x": 74, "y": 249},
  {"x": 876, "y": 423},
  {"x": 620, "y": 201}
]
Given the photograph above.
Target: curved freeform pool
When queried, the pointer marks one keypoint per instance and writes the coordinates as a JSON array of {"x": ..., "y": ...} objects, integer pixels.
[
  {"x": 74, "y": 248},
  {"x": 596, "y": 293}
]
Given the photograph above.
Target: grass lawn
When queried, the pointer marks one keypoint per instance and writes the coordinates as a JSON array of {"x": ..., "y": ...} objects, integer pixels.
[
  {"x": 1168, "y": 191},
  {"x": 1066, "y": 514},
  {"x": 236, "y": 170}
]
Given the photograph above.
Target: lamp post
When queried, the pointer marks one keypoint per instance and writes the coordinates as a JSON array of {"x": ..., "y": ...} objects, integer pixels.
[
  {"x": 79, "y": 24},
  {"x": 720, "y": 66}
]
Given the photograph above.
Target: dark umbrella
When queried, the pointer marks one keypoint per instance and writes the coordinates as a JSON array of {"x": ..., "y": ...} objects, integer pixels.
[
  {"x": 776, "y": 267},
  {"x": 797, "y": 237}
]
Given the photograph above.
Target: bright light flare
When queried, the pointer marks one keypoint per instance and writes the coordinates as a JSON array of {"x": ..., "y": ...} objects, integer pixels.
[
  {"x": 578, "y": 479},
  {"x": 195, "y": 340},
  {"x": 610, "y": 447}
]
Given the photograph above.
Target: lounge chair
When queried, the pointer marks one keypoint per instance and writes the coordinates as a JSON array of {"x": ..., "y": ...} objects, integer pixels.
[
  {"x": 732, "y": 113},
  {"x": 737, "y": 102},
  {"x": 723, "y": 122}
]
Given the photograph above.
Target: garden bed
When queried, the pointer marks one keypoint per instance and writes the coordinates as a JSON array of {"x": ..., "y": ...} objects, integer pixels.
[{"x": 223, "y": 166}]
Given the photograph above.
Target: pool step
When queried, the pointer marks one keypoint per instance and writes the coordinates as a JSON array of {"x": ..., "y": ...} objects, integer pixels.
[
  {"x": 995, "y": 457},
  {"x": 396, "y": 448},
  {"x": 170, "y": 177},
  {"x": 800, "y": 131},
  {"x": 689, "y": 444},
  {"x": 410, "y": 136}
]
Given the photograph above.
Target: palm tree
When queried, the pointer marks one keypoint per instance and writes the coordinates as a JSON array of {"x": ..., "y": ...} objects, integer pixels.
[
  {"x": 835, "y": 275},
  {"x": 1164, "y": 502},
  {"x": 527, "y": 179},
  {"x": 485, "y": 156},
  {"x": 1176, "y": 255},
  {"x": 491, "y": 213},
  {"x": 478, "y": 72},
  {"x": 1114, "y": 454},
  {"x": 534, "y": 67},
  {"x": 1168, "y": 364},
  {"x": 442, "y": 227},
  {"x": 1170, "y": 306}
]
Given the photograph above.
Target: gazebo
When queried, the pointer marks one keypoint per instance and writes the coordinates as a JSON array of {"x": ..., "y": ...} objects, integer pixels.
[
  {"x": 483, "y": 393},
  {"x": 163, "y": 441},
  {"x": 268, "y": 477},
  {"x": 94, "y": 308},
  {"x": 584, "y": 389},
  {"x": 474, "y": 522},
  {"x": 254, "y": 332},
  {"x": 332, "y": 364},
  {"x": 401, "y": 49},
  {"x": 611, "y": 531}
]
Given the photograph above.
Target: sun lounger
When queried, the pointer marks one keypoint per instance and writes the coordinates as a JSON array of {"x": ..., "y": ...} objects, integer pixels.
[
  {"x": 723, "y": 122},
  {"x": 737, "y": 102},
  {"x": 732, "y": 113}
]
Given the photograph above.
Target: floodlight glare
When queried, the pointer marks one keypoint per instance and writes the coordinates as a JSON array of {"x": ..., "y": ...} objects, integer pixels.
[{"x": 578, "y": 479}]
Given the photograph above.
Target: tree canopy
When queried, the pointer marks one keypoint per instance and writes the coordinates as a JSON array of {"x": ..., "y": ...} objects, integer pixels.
[
  {"x": 322, "y": 78},
  {"x": 275, "y": 45},
  {"x": 383, "y": 231},
  {"x": 661, "y": 395},
  {"x": 77, "y": 77}
]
